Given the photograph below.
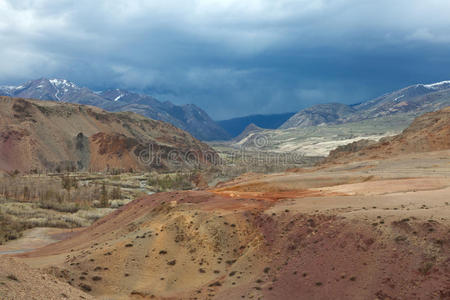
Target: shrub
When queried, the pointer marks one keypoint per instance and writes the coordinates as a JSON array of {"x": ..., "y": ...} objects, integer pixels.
[
  {"x": 426, "y": 268},
  {"x": 61, "y": 207},
  {"x": 104, "y": 196},
  {"x": 116, "y": 193},
  {"x": 10, "y": 229},
  {"x": 85, "y": 287},
  {"x": 178, "y": 181},
  {"x": 172, "y": 262},
  {"x": 12, "y": 277}
]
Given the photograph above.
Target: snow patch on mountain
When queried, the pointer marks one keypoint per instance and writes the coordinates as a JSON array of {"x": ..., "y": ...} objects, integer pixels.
[
  {"x": 437, "y": 84},
  {"x": 399, "y": 97},
  {"x": 63, "y": 83},
  {"x": 118, "y": 97}
]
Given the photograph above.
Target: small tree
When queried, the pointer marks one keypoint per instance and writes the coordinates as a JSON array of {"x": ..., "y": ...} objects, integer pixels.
[
  {"x": 26, "y": 193},
  {"x": 116, "y": 193},
  {"x": 104, "y": 196}
]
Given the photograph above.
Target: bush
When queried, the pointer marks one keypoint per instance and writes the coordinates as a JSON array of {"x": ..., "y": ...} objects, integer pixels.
[
  {"x": 426, "y": 268},
  {"x": 10, "y": 229},
  {"x": 116, "y": 193},
  {"x": 104, "y": 196},
  {"x": 61, "y": 207},
  {"x": 178, "y": 181}
]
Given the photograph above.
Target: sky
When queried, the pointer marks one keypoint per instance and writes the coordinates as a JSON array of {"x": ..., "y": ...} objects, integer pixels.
[{"x": 230, "y": 57}]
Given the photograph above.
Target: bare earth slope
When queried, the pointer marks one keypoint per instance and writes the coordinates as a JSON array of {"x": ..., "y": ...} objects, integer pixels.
[
  {"x": 429, "y": 132},
  {"x": 19, "y": 281},
  {"x": 38, "y": 135}
]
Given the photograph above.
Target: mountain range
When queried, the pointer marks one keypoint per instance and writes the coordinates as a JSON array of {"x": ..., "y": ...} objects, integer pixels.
[
  {"x": 187, "y": 117},
  {"x": 414, "y": 100},
  {"x": 411, "y": 101}
]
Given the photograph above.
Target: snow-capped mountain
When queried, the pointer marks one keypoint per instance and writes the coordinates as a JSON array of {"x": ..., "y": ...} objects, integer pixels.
[
  {"x": 57, "y": 90},
  {"x": 187, "y": 117},
  {"x": 413, "y": 100}
]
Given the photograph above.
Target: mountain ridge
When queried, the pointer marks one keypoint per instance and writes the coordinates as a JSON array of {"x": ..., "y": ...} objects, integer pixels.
[
  {"x": 415, "y": 99},
  {"x": 188, "y": 117}
]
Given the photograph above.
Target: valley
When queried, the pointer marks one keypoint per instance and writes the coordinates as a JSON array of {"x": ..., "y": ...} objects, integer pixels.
[
  {"x": 355, "y": 226},
  {"x": 316, "y": 141},
  {"x": 225, "y": 150}
]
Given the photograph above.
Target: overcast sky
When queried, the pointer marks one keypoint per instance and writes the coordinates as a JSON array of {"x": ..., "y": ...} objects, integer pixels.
[{"x": 230, "y": 57}]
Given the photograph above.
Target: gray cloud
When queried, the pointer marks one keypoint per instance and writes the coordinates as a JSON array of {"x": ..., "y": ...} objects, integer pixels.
[{"x": 230, "y": 57}]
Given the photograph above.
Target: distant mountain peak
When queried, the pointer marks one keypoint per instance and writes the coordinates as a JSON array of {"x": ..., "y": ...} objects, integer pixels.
[
  {"x": 236, "y": 126},
  {"x": 62, "y": 82},
  {"x": 251, "y": 128}
]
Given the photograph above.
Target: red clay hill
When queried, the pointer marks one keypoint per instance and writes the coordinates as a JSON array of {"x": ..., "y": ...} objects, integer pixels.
[{"x": 45, "y": 135}]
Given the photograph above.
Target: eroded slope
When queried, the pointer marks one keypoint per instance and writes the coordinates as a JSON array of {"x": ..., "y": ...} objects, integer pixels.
[{"x": 44, "y": 135}]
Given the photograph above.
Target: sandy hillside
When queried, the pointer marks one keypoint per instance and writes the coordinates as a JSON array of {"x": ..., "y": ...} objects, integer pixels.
[{"x": 19, "y": 281}]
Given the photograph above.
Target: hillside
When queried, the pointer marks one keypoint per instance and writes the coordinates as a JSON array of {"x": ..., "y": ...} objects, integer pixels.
[
  {"x": 187, "y": 117},
  {"x": 429, "y": 132},
  {"x": 413, "y": 100},
  {"x": 19, "y": 281},
  {"x": 252, "y": 128},
  {"x": 331, "y": 113},
  {"x": 38, "y": 135}
]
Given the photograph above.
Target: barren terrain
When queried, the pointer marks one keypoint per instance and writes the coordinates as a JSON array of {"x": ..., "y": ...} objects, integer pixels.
[{"x": 366, "y": 228}]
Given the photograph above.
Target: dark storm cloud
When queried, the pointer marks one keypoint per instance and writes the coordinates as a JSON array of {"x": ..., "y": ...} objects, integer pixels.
[{"x": 230, "y": 57}]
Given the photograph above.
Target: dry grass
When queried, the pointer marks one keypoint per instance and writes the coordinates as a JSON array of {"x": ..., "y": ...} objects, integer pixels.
[
  {"x": 31, "y": 215},
  {"x": 62, "y": 200},
  {"x": 17, "y": 217},
  {"x": 74, "y": 199}
]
